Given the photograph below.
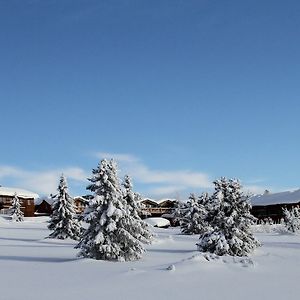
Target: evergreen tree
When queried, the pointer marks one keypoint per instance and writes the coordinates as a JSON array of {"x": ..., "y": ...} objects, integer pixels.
[
  {"x": 193, "y": 219},
  {"x": 96, "y": 178},
  {"x": 63, "y": 220},
  {"x": 107, "y": 236},
  {"x": 15, "y": 210},
  {"x": 138, "y": 228},
  {"x": 230, "y": 220},
  {"x": 180, "y": 208},
  {"x": 292, "y": 219}
]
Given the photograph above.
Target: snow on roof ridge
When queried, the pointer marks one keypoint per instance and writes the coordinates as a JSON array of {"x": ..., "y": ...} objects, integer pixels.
[
  {"x": 276, "y": 198},
  {"x": 39, "y": 200},
  {"x": 165, "y": 199},
  {"x": 159, "y": 200},
  {"x": 10, "y": 191}
]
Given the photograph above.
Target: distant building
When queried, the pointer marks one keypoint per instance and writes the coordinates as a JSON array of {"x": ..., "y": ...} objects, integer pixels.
[
  {"x": 157, "y": 208},
  {"x": 43, "y": 206},
  {"x": 80, "y": 204},
  {"x": 270, "y": 205},
  {"x": 26, "y": 200}
]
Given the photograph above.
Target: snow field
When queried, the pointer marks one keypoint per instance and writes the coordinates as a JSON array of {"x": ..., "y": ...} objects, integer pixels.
[{"x": 34, "y": 268}]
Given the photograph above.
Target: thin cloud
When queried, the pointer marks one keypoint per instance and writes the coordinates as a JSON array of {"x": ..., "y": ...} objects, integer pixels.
[
  {"x": 169, "y": 181},
  {"x": 170, "y": 191},
  {"x": 119, "y": 157},
  {"x": 43, "y": 182}
]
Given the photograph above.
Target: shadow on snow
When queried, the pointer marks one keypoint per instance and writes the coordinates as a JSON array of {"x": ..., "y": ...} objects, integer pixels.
[
  {"x": 292, "y": 245},
  {"x": 170, "y": 251},
  {"x": 37, "y": 259}
]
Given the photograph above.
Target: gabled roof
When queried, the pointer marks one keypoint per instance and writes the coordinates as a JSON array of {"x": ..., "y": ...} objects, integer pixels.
[
  {"x": 148, "y": 200},
  {"x": 157, "y": 202},
  {"x": 165, "y": 200},
  {"x": 10, "y": 191},
  {"x": 80, "y": 198},
  {"x": 50, "y": 199},
  {"x": 276, "y": 198},
  {"x": 47, "y": 199}
]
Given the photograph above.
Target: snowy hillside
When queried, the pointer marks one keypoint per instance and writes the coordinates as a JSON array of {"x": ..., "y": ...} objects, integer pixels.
[
  {"x": 34, "y": 268},
  {"x": 276, "y": 198}
]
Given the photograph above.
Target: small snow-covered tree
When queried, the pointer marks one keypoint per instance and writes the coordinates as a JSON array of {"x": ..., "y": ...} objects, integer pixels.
[
  {"x": 230, "y": 220},
  {"x": 137, "y": 227},
  {"x": 63, "y": 220},
  {"x": 15, "y": 210},
  {"x": 292, "y": 219},
  {"x": 108, "y": 237},
  {"x": 193, "y": 215}
]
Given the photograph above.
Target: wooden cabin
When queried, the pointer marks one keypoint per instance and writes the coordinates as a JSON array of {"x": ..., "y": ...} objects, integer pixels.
[
  {"x": 157, "y": 208},
  {"x": 43, "y": 206},
  {"x": 271, "y": 205},
  {"x": 80, "y": 204},
  {"x": 273, "y": 211},
  {"x": 26, "y": 200}
]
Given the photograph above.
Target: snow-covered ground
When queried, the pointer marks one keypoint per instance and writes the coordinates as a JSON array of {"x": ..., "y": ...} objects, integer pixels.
[{"x": 32, "y": 267}]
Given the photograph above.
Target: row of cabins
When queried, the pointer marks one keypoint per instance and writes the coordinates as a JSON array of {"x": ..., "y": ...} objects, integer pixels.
[
  {"x": 264, "y": 206},
  {"x": 150, "y": 207},
  {"x": 43, "y": 206},
  {"x": 33, "y": 205}
]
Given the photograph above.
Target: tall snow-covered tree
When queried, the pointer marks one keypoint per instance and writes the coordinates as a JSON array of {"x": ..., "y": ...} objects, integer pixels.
[
  {"x": 230, "y": 220},
  {"x": 138, "y": 228},
  {"x": 63, "y": 220},
  {"x": 108, "y": 237},
  {"x": 15, "y": 210},
  {"x": 292, "y": 219},
  {"x": 193, "y": 216}
]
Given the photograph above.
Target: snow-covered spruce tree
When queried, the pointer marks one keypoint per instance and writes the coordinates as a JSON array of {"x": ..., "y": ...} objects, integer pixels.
[
  {"x": 138, "y": 228},
  {"x": 63, "y": 220},
  {"x": 180, "y": 208},
  {"x": 292, "y": 219},
  {"x": 107, "y": 236},
  {"x": 15, "y": 210},
  {"x": 230, "y": 220},
  {"x": 193, "y": 218}
]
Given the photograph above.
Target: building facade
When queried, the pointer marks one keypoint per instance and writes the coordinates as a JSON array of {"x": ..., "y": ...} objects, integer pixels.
[{"x": 26, "y": 200}]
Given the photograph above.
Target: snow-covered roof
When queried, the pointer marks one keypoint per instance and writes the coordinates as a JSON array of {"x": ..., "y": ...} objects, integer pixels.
[
  {"x": 164, "y": 200},
  {"x": 157, "y": 201},
  {"x": 276, "y": 198},
  {"x": 8, "y": 191},
  {"x": 50, "y": 199},
  {"x": 39, "y": 200},
  {"x": 81, "y": 199}
]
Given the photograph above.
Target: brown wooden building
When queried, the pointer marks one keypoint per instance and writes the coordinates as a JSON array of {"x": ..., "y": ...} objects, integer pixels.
[
  {"x": 270, "y": 205},
  {"x": 157, "y": 208},
  {"x": 26, "y": 200},
  {"x": 273, "y": 211},
  {"x": 43, "y": 206}
]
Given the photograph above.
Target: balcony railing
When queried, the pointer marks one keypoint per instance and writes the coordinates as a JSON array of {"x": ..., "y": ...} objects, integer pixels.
[{"x": 157, "y": 210}]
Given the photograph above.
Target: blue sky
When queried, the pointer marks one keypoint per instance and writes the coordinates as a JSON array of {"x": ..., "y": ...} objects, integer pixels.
[{"x": 179, "y": 92}]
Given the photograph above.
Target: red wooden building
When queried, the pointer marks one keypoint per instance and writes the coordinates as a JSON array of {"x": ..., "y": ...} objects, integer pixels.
[{"x": 26, "y": 200}]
